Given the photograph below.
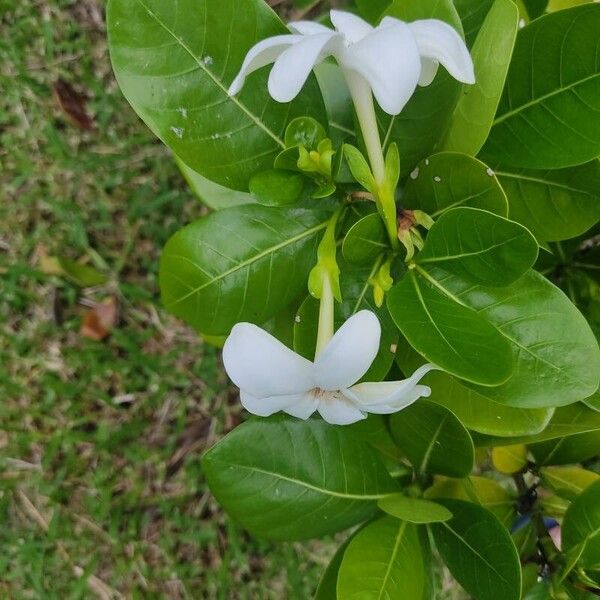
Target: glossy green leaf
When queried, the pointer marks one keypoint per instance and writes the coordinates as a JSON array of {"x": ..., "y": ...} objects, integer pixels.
[
  {"x": 327, "y": 588},
  {"x": 535, "y": 8},
  {"x": 413, "y": 510},
  {"x": 240, "y": 264},
  {"x": 581, "y": 525},
  {"x": 174, "y": 62},
  {"x": 567, "y": 450},
  {"x": 568, "y": 481},
  {"x": 359, "y": 167},
  {"x": 554, "y": 205},
  {"x": 479, "y": 552},
  {"x": 382, "y": 561},
  {"x": 540, "y": 591},
  {"x": 593, "y": 402},
  {"x": 275, "y": 187},
  {"x": 365, "y": 240},
  {"x": 449, "y": 180},
  {"x": 474, "y": 114},
  {"x": 479, "y": 246},
  {"x": 357, "y": 295},
  {"x": 433, "y": 439},
  {"x": 212, "y": 194},
  {"x": 304, "y": 131},
  {"x": 569, "y": 420},
  {"x": 375, "y": 432},
  {"x": 270, "y": 474},
  {"x": 489, "y": 493},
  {"x": 472, "y": 14},
  {"x": 448, "y": 333},
  {"x": 475, "y": 411},
  {"x": 548, "y": 115},
  {"x": 371, "y": 10},
  {"x": 540, "y": 323},
  {"x": 422, "y": 123}
]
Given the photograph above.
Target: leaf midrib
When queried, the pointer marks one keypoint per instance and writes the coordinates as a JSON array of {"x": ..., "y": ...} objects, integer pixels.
[
  {"x": 545, "y": 182},
  {"x": 310, "y": 486},
  {"x": 215, "y": 80},
  {"x": 434, "y": 259},
  {"x": 250, "y": 261},
  {"x": 397, "y": 542},
  {"x": 475, "y": 552},
  {"x": 543, "y": 98}
]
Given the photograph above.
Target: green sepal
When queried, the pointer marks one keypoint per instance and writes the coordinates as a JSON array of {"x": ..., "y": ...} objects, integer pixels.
[
  {"x": 359, "y": 167},
  {"x": 392, "y": 168},
  {"x": 326, "y": 266}
]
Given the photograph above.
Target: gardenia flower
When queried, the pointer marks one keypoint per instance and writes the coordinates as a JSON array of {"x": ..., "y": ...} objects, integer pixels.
[
  {"x": 392, "y": 58},
  {"x": 273, "y": 378}
]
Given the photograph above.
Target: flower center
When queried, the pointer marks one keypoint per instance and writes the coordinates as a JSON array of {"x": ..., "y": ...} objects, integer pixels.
[{"x": 325, "y": 395}]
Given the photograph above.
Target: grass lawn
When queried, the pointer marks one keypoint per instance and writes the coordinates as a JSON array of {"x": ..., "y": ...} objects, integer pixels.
[{"x": 101, "y": 492}]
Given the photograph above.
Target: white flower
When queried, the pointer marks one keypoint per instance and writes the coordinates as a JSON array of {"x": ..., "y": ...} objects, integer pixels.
[
  {"x": 271, "y": 377},
  {"x": 393, "y": 57}
]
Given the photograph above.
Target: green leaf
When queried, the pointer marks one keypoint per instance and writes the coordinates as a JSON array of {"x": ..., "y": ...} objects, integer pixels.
[
  {"x": 593, "y": 401},
  {"x": 535, "y": 8},
  {"x": 275, "y": 187},
  {"x": 365, "y": 240},
  {"x": 554, "y": 205},
  {"x": 327, "y": 588},
  {"x": 174, "y": 62},
  {"x": 540, "y": 323},
  {"x": 423, "y": 121},
  {"x": 568, "y": 481},
  {"x": 371, "y": 10},
  {"x": 448, "y": 333},
  {"x": 472, "y": 14},
  {"x": 375, "y": 432},
  {"x": 567, "y": 450},
  {"x": 304, "y": 131},
  {"x": 567, "y": 421},
  {"x": 215, "y": 196},
  {"x": 356, "y": 295},
  {"x": 413, "y": 510},
  {"x": 78, "y": 273},
  {"x": 240, "y": 264},
  {"x": 479, "y": 552},
  {"x": 481, "y": 490},
  {"x": 383, "y": 560},
  {"x": 449, "y": 180},
  {"x": 474, "y": 114},
  {"x": 548, "y": 115},
  {"x": 270, "y": 474},
  {"x": 581, "y": 525},
  {"x": 475, "y": 411},
  {"x": 479, "y": 246},
  {"x": 433, "y": 439}
]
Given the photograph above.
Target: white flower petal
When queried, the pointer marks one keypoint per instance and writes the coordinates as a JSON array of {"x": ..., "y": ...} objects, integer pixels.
[
  {"x": 340, "y": 411},
  {"x": 351, "y": 26},
  {"x": 261, "y": 54},
  {"x": 294, "y": 65},
  {"x": 265, "y": 407},
  {"x": 439, "y": 41},
  {"x": 262, "y": 366},
  {"x": 429, "y": 69},
  {"x": 304, "y": 407},
  {"x": 307, "y": 27},
  {"x": 388, "y": 58},
  {"x": 390, "y": 396},
  {"x": 349, "y": 353}
]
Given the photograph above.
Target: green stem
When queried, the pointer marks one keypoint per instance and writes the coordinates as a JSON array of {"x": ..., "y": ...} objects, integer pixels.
[{"x": 365, "y": 111}]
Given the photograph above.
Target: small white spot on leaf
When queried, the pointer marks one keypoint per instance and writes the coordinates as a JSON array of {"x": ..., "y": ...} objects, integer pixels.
[
  {"x": 415, "y": 173},
  {"x": 178, "y": 131},
  {"x": 437, "y": 179}
]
